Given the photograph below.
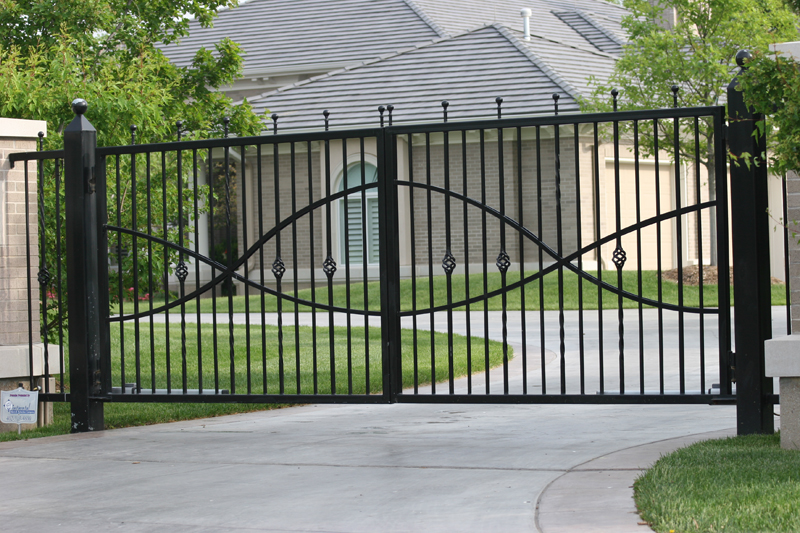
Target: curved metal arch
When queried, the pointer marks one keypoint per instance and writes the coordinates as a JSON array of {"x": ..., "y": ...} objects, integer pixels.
[{"x": 567, "y": 260}]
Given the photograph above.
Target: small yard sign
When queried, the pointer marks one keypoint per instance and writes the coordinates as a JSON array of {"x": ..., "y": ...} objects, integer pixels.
[{"x": 19, "y": 407}]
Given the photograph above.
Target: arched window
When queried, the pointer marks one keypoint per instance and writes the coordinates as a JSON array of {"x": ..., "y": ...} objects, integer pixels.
[{"x": 351, "y": 206}]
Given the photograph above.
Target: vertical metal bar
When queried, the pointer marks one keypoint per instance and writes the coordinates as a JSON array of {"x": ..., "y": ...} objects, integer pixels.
[
  {"x": 197, "y": 269},
  {"x": 412, "y": 218},
  {"x": 277, "y": 266},
  {"x": 344, "y": 205},
  {"x": 150, "y": 286},
  {"x": 560, "y": 248},
  {"x": 135, "y": 252},
  {"x": 165, "y": 228},
  {"x": 211, "y": 204},
  {"x": 503, "y": 261},
  {"x": 448, "y": 271},
  {"x": 59, "y": 292},
  {"x": 429, "y": 219},
  {"x": 539, "y": 233},
  {"x": 659, "y": 281},
  {"x": 679, "y": 238},
  {"x": 245, "y": 199},
  {"x": 698, "y": 200},
  {"x": 722, "y": 253},
  {"x": 28, "y": 281},
  {"x": 598, "y": 230},
  {"x": 295, "y": 271},
  {"x": 44, "y": 273},
  {"x": 619, "y": 260},
  {"x": 520, "y": 218},
  {"x": 312, "y": 269},
  {"x": 637, "y": 177},
  {"x": 329, "y": 265},
  {"x": 102, "y": 380},
  {"x": 229, "y": 263},
  {"x": 485, "y": 249},
  {"x": 121, "y": 279},
  {"x": 579, "y": 237},
  {"x": 264, "y": 386},
  {"x": 181, "y": 269},
  {"x": 364, "y": 260}
]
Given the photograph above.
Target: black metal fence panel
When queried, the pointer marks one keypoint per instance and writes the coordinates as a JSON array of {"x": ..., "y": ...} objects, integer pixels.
[{"x": 542, "y": 259}]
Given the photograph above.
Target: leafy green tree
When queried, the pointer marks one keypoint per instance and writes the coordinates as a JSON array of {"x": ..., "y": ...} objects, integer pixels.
[
  {"x": 696, "y": 54},
  {"x": 105, "y": 51}
]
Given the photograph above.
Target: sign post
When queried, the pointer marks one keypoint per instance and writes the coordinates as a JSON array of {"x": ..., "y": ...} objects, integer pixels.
[{"x": 19, "y": 407}]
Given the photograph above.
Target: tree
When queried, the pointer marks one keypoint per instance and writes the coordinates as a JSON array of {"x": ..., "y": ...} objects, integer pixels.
[
  {"x": 105, "y": 51},
  {"x": 697, "y": 54}
]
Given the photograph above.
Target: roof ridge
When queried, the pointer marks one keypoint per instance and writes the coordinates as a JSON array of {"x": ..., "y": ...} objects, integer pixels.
[
  {"x": 539, "y": 62},
  {"x": 425, "y": 18}
]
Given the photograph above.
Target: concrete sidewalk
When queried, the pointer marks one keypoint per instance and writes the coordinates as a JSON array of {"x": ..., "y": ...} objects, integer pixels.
[{"x": 351, "y": 468}]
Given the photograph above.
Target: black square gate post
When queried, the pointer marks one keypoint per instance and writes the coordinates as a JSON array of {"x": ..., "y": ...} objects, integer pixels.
[
  {"x": 751, "y": 266},
  {"x": 389, "y": 250},
  {"x": 83, "y": 299}
]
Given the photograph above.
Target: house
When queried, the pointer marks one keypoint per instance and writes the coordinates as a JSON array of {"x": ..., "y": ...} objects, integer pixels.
[{"x": 349, "y": 57}]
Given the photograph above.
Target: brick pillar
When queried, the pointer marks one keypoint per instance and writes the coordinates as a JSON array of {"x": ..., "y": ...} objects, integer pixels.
[
  {"x": 19, "y": 136},
  {"x": 793, "y": 222}
]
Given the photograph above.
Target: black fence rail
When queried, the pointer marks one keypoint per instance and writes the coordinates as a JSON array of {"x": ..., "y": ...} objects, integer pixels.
[{"x": 535, "y": 260}]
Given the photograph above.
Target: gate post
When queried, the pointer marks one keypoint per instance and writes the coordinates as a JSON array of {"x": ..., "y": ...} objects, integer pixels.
[
  {"x": 83, "y": 296},
  {"x": 389, "y": 250},
  {"x": 751, "y": 269}
]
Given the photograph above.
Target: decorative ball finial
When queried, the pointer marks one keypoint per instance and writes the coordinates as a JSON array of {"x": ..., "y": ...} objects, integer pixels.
[
  {"x": 79, "y": 106},
  {"x": 742, "y": 56}
]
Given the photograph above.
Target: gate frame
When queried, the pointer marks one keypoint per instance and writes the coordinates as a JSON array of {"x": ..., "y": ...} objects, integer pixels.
[{"x": 89, "y": 340}]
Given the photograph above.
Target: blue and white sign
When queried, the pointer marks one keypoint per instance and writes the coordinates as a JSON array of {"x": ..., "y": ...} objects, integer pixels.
[{"x": 19, "y": 406}]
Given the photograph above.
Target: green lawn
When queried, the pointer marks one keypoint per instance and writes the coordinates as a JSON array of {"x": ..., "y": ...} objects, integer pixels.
[
  {"x": 571, "y": 284},
  {"x": 739, "y": 485},
  {"x": 131, "y": 414}
]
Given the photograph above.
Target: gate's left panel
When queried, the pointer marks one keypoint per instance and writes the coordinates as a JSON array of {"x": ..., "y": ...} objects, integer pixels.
[{"x": 245, "y": 269}]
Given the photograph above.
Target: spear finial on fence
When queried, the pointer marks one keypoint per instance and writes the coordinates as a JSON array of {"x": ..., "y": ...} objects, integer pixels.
[
  {"x": 275, "y": 118},
  {"x": 326, "y": 114},
  {"x": 499, "y": 101},
  {"x": 133, "y": 133},
  {"x": 225, "y": 122},
  {"x": 556, "y": 96},
  {"x": 675, "y": 90},
  {"x": 614, "y": 94},
  {"x": 390, "y": 108},
  {"x": 179, "y": 128},
  {"x": 445, "y": 104},
  {"x": 381, "y": 110}
]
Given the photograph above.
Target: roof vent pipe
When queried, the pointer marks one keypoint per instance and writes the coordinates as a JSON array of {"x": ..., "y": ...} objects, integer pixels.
[{"x": 526, "y": 22}]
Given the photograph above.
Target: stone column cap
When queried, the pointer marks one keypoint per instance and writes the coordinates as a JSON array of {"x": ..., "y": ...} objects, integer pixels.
[
  {"x": 19, "y": 128},
  {"x": 782, "y": 357}
]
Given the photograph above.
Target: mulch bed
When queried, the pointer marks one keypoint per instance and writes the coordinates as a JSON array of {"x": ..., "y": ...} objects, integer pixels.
[{"x": 691, "y": 275}]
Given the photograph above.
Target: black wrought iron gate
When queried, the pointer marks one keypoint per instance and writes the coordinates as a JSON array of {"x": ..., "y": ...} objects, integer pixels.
[{"x": 539, "y": 260}]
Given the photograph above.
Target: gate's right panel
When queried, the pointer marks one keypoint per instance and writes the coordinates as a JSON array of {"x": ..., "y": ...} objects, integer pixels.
[{"x": 564, "y": 258}]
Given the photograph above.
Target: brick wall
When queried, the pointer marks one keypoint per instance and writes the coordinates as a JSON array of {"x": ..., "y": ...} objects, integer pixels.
[
  {"x": 793, "y": 217},
  {"x": 13, "y": 250}
]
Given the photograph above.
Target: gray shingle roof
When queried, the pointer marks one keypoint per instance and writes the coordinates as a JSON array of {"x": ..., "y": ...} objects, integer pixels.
[
  {"x": 283, "y": 36},
  {"x": 297, "y": 35},
  {"x": 469, "y": 71}
]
